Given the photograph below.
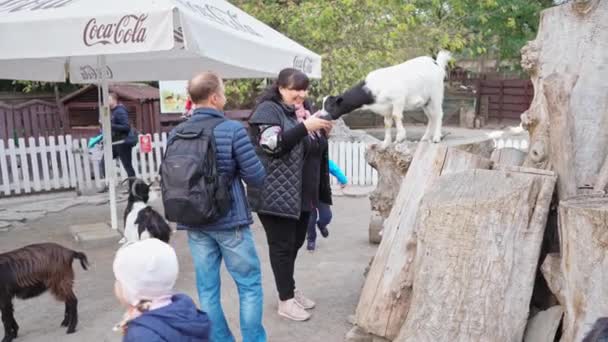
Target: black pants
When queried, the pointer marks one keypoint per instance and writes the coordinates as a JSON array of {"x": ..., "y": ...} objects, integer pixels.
[
  {"x": 285, "y": 237},
  {"x": 123, "y": 152}
]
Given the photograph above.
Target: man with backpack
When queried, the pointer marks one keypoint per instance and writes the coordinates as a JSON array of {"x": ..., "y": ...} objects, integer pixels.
[{"x": 206, "y": 159}]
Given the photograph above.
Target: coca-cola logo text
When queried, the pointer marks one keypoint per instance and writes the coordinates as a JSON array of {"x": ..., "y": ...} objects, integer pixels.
[
  {"x": 303, "y": 64},
  {"x": 89, "y": 73},
  {"x": 10, "y": 6},
  {"x": 129, "y": 29},
  {"x": 221, "y": 16}
]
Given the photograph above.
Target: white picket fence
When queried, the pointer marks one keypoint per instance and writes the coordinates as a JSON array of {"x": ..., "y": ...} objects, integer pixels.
[{"x": 62, "y": 163}]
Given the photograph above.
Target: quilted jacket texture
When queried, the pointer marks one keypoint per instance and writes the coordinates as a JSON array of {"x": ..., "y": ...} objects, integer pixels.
[
  {"x": 281, "y": 193},
  {"x": 237, "y": 159}
]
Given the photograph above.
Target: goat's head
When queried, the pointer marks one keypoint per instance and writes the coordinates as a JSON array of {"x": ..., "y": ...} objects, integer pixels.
[
  {"x": 349, "y": 101},
  {"x": 332, "y": 107}
]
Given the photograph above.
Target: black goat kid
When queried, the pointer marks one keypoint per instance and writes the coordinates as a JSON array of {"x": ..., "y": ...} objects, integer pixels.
[{"x": 29, "y": 271}]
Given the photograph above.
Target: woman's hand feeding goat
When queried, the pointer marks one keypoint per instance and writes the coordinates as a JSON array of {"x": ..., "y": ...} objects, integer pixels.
[{"x": 415, "y": 84}]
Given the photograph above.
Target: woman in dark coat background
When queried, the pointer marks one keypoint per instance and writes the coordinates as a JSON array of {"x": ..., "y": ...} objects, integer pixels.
[{"x": 292, "y": 145}]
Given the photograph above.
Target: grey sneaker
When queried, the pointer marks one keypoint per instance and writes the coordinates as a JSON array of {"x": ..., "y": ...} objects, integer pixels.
[
  {"x": 302, "y": 301},
  {"x": 290, "y": 309}
]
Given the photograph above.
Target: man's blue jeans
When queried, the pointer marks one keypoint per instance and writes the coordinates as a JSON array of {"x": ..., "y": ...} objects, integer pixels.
[{"x": 237, "y": 248}]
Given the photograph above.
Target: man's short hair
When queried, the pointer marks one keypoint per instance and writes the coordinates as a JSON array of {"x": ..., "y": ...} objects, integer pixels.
[{"x": 203, "y": 85}]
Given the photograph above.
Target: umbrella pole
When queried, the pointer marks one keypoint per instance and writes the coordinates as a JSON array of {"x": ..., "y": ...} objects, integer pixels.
[{"x": 106, "y": 126}]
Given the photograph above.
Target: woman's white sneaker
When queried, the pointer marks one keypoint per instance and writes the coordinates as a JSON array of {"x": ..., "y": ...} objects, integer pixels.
[
  {"x": 302, "y": 301},
  {"x": 292, "y": 310}
]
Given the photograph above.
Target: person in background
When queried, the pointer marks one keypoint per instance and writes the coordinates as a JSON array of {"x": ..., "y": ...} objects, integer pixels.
[
  {"x": 230, "y": 237},
  {"x": 292, "y": 145},
  {"x": 146, "y": 272},
  {"x": 123, "y": 138},
  {"x": 321, "y": 217},
  {"x": 187, "y": 109}
]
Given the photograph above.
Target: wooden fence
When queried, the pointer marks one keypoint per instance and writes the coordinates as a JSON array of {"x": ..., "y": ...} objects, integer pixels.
[
  {"x": 504, "y": 99},
  {"x": 62, "y": 163},
  {"x": 35, "y": 118}
]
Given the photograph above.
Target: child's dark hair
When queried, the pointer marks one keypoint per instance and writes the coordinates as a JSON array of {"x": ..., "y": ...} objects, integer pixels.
[{"x": 599, "y": 332}]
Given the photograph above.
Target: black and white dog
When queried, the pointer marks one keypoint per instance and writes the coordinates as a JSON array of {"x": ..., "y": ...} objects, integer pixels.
[
  {"x": 141, "y": 220},
  {"x": 417, "y": 83}
]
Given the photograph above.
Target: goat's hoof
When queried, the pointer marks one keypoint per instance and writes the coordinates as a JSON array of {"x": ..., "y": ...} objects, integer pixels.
[
  {"x": 71, "y": 331},
  {"x": 64, "y": 323},
  {"x": 436, "y": 140},
  {"x": 401, "y": 138},
  {"x": 8, "y": 338}
]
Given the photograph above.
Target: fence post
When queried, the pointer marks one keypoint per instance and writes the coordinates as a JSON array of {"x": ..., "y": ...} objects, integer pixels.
[
  {"x": 25, "y": 168},
  {"x": 6, "y": 182},
  {"x": 32, "y": 151}
]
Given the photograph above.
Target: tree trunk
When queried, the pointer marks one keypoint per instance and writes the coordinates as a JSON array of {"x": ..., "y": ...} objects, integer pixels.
[
  {"x": 508, "y": 156},
  {"x": 479, "y": 239},
  {"x": 543, "y": 326},
  {"x": 392, "y": 164},
  {"x": 385, "y": 299},
  {"x": 569, "y": 112},
  {"x": 568, "y": 125},
  {"x": 584, "y": 265}
]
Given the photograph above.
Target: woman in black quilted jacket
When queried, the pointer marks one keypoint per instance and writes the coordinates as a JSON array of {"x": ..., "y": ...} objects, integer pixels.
[{"x": 292, "y": 145}]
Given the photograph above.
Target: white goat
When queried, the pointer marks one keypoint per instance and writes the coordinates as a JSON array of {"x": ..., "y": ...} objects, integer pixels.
[{"x": 417, "y": 83}]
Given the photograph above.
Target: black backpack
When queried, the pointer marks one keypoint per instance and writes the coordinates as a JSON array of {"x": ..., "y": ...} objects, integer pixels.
[{"x": 193, "y": 191}]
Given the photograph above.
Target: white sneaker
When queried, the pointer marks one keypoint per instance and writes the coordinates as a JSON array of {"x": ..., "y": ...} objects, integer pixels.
[
  {"x": 302, "y": 301},
  {"x": 290, "y": 309}
]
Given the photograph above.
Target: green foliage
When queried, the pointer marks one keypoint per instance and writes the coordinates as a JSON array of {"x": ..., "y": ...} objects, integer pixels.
[{"x": 357, "y": 36}]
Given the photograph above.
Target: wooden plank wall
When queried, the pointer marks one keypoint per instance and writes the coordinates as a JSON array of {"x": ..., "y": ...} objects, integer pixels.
[{"x": 31, "y": 119}]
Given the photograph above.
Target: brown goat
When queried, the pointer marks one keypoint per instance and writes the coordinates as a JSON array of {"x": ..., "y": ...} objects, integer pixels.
[{"x": 29, "y": 271}]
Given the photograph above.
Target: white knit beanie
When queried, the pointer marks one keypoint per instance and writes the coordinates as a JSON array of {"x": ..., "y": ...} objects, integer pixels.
[{"x": 146, "y": 270}]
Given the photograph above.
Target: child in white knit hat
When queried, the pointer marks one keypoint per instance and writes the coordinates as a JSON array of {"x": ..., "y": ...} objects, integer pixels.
[{"x": 146, "y": 272}]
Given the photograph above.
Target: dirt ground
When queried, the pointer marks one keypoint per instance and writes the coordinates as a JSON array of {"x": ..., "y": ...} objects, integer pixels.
[{"x": 333, "y": 276}]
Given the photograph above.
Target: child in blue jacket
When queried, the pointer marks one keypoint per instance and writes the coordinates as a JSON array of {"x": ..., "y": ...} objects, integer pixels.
[
  {"x": 146, "y": 272},
  {"x": 322, "y": 216}
]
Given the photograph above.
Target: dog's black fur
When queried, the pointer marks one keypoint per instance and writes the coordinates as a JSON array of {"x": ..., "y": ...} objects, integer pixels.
[
  {"x": 152, "y": 222},
  {"x": 138, "y": 191},
  {"x": 147, "y": 219}
]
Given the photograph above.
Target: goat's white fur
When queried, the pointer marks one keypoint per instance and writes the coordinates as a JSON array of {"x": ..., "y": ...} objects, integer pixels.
[{"x": 414, "y": 84}]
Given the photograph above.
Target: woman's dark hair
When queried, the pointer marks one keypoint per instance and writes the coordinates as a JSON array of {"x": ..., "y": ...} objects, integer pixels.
[{"x": 288, "y": 78}]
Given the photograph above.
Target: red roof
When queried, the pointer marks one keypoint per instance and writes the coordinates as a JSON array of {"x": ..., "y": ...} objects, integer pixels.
[{"x": 127, "y": 91}]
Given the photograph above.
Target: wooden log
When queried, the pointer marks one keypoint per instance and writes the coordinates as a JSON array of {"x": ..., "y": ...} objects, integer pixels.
[
  {"x": 508, "y": 156},
  {"x": 543, "y": 326},
  {"x": 551, "y": 269},
  {"x": 584, "y": 265},
  {"x": 392, "y": 164},
  {"x": 479, "y": 239},
  {"x": 385, "y": 299},
  {"x": 602, "y": 178},
  {"x": 566, "y": 120}
]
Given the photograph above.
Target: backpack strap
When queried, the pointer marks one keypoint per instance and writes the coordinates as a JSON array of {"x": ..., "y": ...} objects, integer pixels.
[{"x": 194, "y": 129}]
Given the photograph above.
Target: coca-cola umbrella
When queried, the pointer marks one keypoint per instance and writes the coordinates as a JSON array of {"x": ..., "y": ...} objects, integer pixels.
[{"x": 93, "y": 41}]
